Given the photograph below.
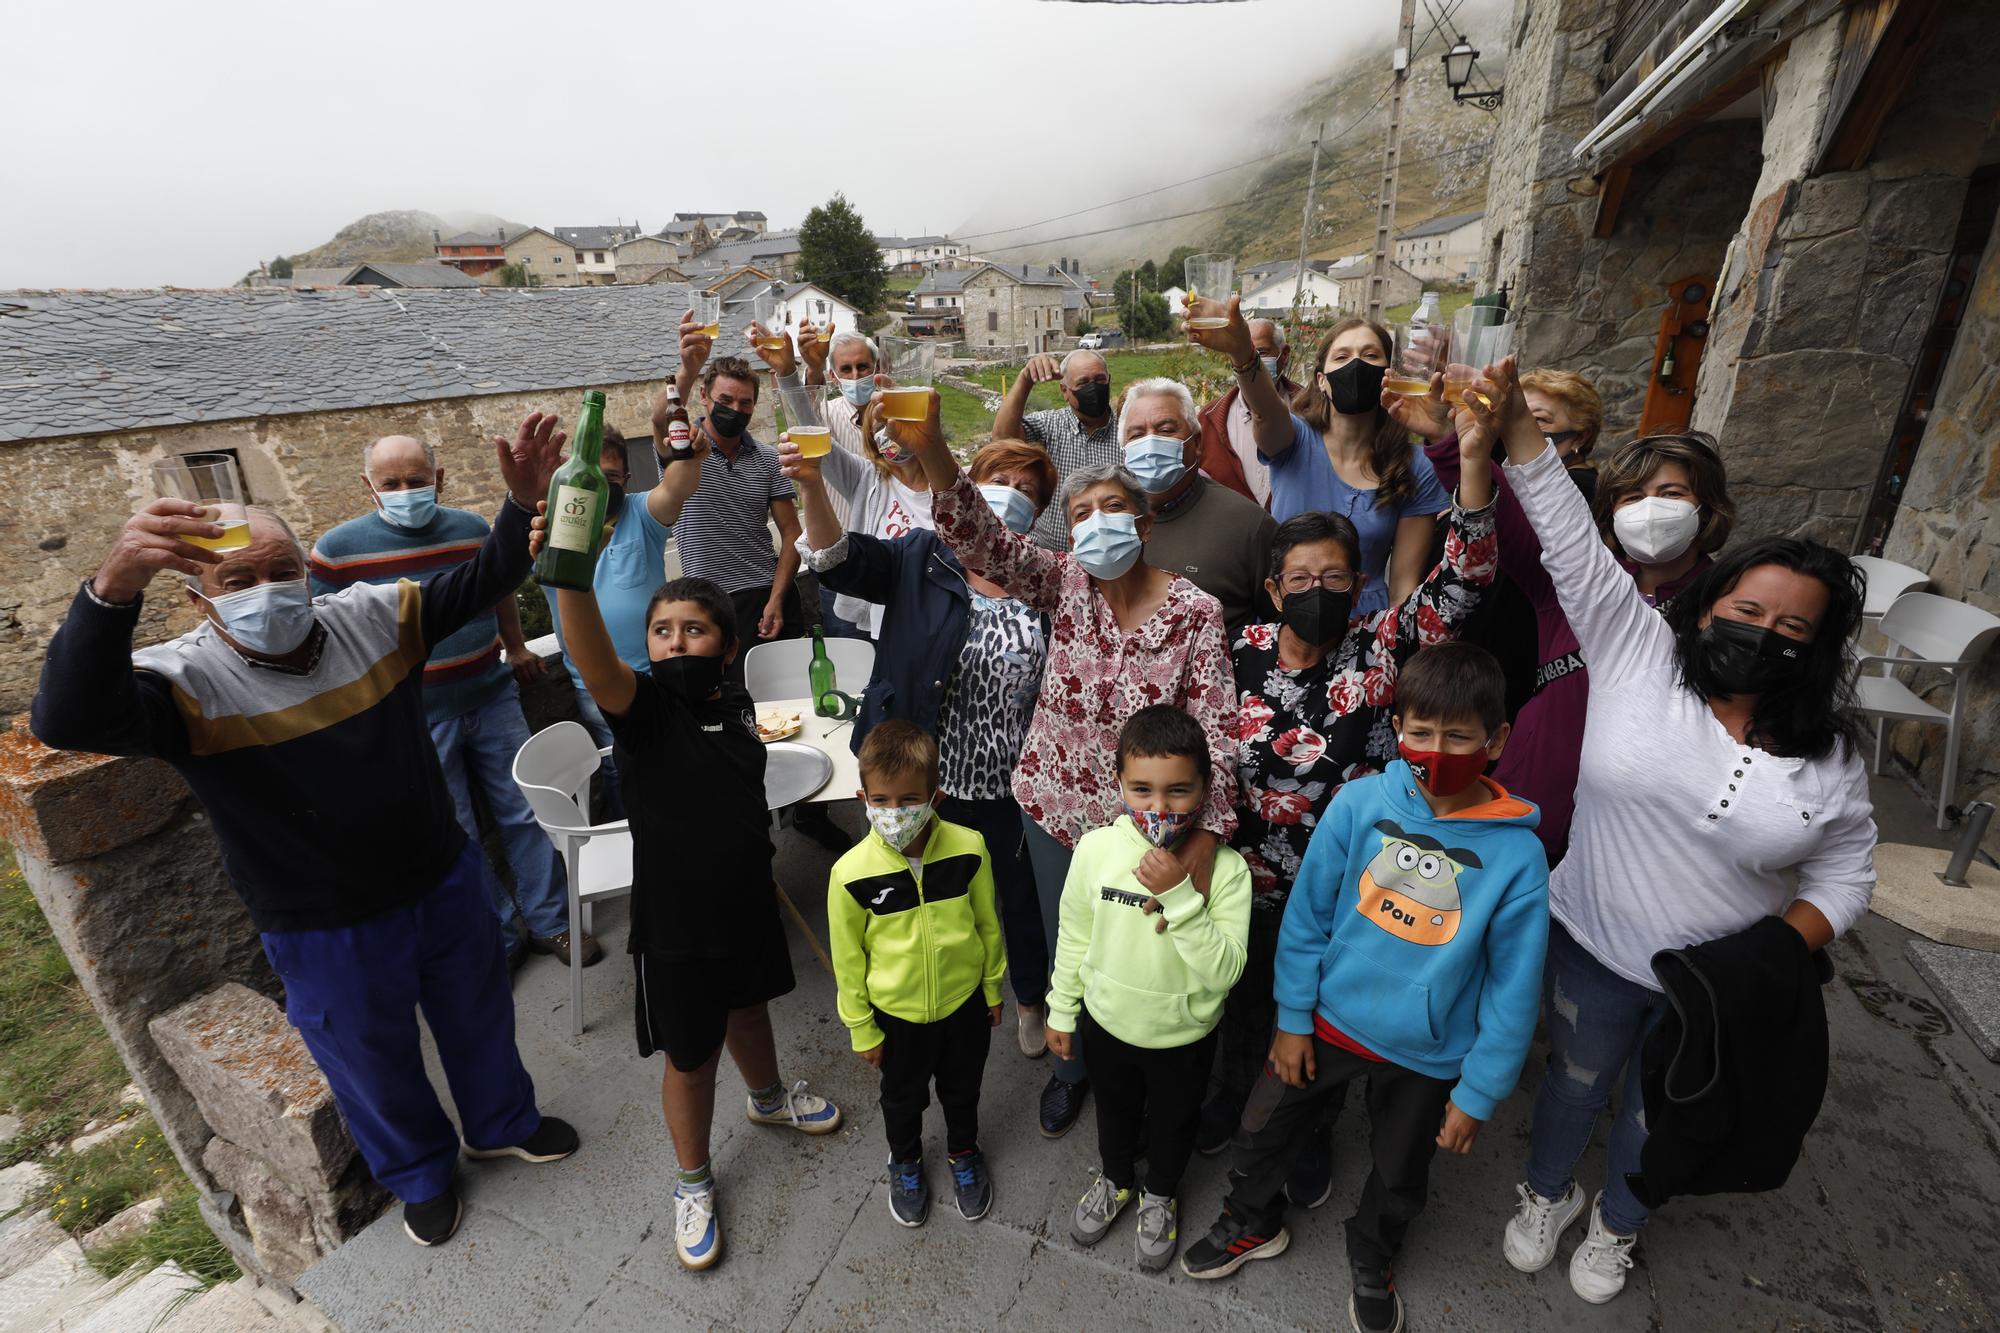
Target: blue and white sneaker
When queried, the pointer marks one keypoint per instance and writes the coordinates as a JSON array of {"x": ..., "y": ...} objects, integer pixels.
[
  {"x": 697, "y": 1235},
  {"x": 909, "y": 1194},
  {"x": 804, "y": 1111},
  {"x": 971, "y": 1185}
]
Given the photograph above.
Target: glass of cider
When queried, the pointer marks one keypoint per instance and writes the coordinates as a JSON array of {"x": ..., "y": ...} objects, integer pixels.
[
  {"x": 212, "y": 481},
  {"x": 910, "y": 363},
  {"x": 805, "y": 419},
  {"x": 1210, "y": 277},
  {"x": 707, "y": 308}
]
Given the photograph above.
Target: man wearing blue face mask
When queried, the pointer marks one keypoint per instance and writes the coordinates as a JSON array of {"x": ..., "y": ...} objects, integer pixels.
[
  {"x": 470, "y": 701},
  {"x": 299, "y": 725},
  {"x": 1207, "y": 533}
]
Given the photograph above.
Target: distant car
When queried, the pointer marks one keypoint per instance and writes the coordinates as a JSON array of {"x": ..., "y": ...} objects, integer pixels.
[{"x": 1093, "y": 341}]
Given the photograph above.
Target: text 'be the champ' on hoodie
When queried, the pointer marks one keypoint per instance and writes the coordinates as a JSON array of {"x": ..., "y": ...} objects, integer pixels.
[{"x": 1421, "y": 938}]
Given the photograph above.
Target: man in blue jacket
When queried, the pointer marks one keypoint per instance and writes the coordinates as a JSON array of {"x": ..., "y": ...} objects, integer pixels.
[{"x": 1411, "y": 957}]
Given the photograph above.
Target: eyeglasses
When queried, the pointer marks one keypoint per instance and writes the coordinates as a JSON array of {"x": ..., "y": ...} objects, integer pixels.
[{"x": 1333, "y": 580}]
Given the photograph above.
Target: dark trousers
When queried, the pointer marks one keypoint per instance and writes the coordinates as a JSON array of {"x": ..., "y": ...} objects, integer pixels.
[
  {"x": 749, "y": 607},
  {"x": 353, "y": 992},
  {"x": 950, "y": 1052},
  {"x": 1148, "y": 1104},
  {"x": 1405, "y": 1111},
  {"x": 1050, "y": 860},
  {"x": 998, "y": 821},
  {"x": 830, "y": 621}
]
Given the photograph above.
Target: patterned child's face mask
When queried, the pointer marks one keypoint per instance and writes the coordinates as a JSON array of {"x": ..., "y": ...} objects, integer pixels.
[
  {"x": 899, "y": 825},
  {"x": 1162, "y": 828}
]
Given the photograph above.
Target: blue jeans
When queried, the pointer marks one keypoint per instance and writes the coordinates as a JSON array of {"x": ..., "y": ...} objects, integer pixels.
[
  {"x": 1050, "y": 860},
  {"x": 353, "y": 992},
  {"x": 1598, "y": 1022},
  {"x": 600, "y": 731},
  {"x": 480, "y": 747}
]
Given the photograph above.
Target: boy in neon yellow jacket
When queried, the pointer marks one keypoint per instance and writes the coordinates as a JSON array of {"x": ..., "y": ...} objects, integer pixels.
[
  {"x": 1144, "y": 960},
  {"x": 917, "y": 962}
]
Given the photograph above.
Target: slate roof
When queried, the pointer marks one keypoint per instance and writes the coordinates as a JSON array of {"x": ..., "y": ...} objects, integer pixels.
[
  {"x": 83, "y": 362},
  {"x": 474, "y": 238},
  {"x": 1031, "y": 275},
  {"x": 418, "y": 275},
  {"x": 945, "y": 280},
  {"x": 735, "y": 254},
  {"x": 595, "y": 238},
  {"x": 1439, "y": 226},
  {"x": 321, "y": 277}
]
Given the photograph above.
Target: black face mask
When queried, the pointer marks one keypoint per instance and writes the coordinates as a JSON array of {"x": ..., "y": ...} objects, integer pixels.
[
  {"x": 1356, "y": 387},
  {"x": 1732, "y": 657},
  {"x": 1093, "y": 399},
  {"x": 1318, "y": 615},
  {"x": 728, "y": 422},
  {"x": 617, "y": 501},
  {"x": 689, "y": 678}
]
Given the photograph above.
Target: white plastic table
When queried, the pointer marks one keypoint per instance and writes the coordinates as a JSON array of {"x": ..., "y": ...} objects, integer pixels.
[{"x": 832, "y": 739}]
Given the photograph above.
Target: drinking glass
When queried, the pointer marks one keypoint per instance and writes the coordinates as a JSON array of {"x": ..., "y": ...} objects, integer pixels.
[
  {"x": 1420, "y": 351},
  {"x": 766, "y": 307},
  {"x": 1210, "y": 277},
  {"x": 210, "y": 480},
  {"x": 1480, "y": 336},
  {"x": 707, "y": 308},
  {"x": 805, "y": 418},
  {"x": 910, "y": 363}
]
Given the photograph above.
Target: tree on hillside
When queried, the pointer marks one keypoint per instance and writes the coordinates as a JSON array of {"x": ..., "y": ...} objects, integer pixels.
[
  {"x": 1148, "y": 317},
  {"x": 837, "y": 251},
  {"x": 1173, "y": 273},
  {"x": 281, "y": 267},
  {"x": 1149, "y": 276}
]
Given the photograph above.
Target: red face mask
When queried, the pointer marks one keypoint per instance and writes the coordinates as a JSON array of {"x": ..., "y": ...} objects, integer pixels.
[{"x": 1444, "y": 774}]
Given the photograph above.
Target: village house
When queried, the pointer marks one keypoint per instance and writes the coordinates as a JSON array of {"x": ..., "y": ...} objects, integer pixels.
[
  {"x": 914, "y": 254},
  {"x": 1798, "y": 201},
  {"x": 1267, "y": 289},
  {"x": 546, "y": 259},
  {"x": 776, "y": 252},
  {"x": 749, "y": 222},
  {"x": 473, "y": 253},
  {"x": 595, "y": 264},
  {"x": 1012, "y": 306},
  {"x": 1445, "y": 250},
  {"x": 646, "y": 259}
]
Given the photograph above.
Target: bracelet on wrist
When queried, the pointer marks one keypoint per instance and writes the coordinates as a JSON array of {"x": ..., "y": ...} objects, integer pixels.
[{"x": 1249, "y": 369}]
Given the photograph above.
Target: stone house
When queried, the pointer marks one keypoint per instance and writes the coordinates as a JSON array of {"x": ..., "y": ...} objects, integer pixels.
[
  {"x": 596, "y": 262},
  {"x": 1447, "y": 249},
  {"x": 549, "y": 260},
  {"x": 749, "y": 221},
  {"x": 1013, "y": 305},
  {"x": 477, "y": 254},
  {"x": 96, "y": 386},
  {"x": 1828, "y": 174},
  {"x": 639, "y": 258}
]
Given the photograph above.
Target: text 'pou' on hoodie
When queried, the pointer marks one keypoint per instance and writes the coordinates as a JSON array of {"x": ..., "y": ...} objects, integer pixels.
[{"x": 1421, "y": 938}]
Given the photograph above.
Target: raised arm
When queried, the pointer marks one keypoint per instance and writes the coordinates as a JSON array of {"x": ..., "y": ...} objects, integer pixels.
[
  {"x": 850, "y": 562},
  {"x": 695, "y": 347},
  {"x": 968, "y": 525},
  {"x": 452, "y": 598},
  {"x": 1009, "y": 421},
  {"x": 1409, "y": 554},
  {"x": 586, "y": 642},
  {"x": 679, "y": 477},
  {"x": 1270, "y": 415},
  {"x": 1440, "y": 605}
]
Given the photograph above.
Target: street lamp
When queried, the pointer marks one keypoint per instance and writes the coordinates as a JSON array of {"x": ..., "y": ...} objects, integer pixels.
[{"x": 1459, "y": 65}]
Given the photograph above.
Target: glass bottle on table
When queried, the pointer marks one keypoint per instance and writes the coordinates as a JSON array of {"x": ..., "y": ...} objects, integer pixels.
[
  {"x": 578, "y": 494},
  {"x": 826, "y": 703}
]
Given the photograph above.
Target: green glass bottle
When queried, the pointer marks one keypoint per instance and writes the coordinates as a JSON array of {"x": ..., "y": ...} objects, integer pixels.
[
  {"x": 578, "y": 495},
  {"x": 826, "y": 702}
]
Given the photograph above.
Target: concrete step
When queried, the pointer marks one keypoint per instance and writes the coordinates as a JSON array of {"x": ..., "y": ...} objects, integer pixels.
[
  {"x": 26, "y": 1238},
  {"x": 45, "y": 1291},
  {"x": 135, "y": 1305},
  {"x": 224, "y": 1309}
]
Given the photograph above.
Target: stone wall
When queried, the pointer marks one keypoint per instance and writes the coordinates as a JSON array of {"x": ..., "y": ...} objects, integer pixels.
[
  {"x": 63, "y": 500},
  {"x": 1949, "y": 525},
  {"x": 1029, "y": 315}
]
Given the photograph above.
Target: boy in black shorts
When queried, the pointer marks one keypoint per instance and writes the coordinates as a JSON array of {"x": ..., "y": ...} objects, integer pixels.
[{"x": 707, "y": 944}]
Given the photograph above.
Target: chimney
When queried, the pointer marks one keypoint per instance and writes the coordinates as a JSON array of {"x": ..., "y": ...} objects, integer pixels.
[{"x": 435, "y": 238}]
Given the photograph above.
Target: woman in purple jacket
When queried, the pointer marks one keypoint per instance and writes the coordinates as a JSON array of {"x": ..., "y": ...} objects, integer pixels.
[{"x": 1662, "y": 505}]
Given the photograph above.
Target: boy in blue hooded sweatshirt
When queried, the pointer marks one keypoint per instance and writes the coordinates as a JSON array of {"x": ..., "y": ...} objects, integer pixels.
[{"x": 1411, "y": 957}]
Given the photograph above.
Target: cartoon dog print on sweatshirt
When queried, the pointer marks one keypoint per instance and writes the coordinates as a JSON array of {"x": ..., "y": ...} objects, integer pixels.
[{"x": 1410, "y": 889}]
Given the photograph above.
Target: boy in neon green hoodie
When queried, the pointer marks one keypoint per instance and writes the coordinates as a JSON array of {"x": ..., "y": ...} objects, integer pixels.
[
  {"x": 917, "y": 961},
  {"x": 1144, "y": 960}
]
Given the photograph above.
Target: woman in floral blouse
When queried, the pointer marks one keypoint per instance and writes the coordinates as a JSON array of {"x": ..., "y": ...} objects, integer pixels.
[
  {"x": 1314, "y": 712},
  {"x": 1122, "y": 635}
]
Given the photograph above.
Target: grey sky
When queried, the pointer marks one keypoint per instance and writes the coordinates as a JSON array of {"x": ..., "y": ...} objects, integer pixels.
[{"x": 197, "y": 138}]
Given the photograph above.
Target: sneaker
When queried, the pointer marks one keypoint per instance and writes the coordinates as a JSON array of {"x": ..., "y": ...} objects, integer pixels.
[
  {"x": 804, "y": 1111},
  {"x": 1229, "y": 1245},
  {"x": 1030, "y": 1030},
  {"x": 909, "y": 1195},
  {"x": 697, "y": 1237},
  {"x": 1373, "y": 1306},
  {"x": 559, "y": 945},
  {"x": 1096, "y": 1210},
  {"x": 1062, "y": 1103},
  {"x": 971, "y": 1184},
  {"x": 1597, "y": 1269},
  {"x": 552, "y": 1141},
  {"x": 1311, "y": 1181},
  {"x": 1537, "y": 1226},
  {"x": 1218, "y": 1125},
  {"x": 434, "y": 1221},
  {"x": 1159, "y": 1231}
]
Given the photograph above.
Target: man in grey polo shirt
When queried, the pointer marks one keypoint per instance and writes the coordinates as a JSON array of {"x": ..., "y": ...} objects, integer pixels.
[
  {"x": 721, "y": 530},
  {"x": 1079, "y": 435}
]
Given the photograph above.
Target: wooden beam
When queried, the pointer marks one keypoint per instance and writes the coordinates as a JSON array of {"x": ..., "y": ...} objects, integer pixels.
[
  {"x": 1884, "y": 47},
  {"x": 1610, "y": 198}
]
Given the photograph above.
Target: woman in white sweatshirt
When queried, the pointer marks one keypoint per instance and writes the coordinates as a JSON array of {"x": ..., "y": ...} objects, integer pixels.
[{"x": 1718, "y": 768}]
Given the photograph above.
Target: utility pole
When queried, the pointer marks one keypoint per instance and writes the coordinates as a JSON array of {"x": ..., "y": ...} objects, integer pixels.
[
  {"x": 1305, "y": 219},
  {"x": 1392, "y": 161}
]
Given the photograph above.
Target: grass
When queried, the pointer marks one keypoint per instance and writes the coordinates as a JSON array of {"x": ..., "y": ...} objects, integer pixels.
[
  {"x": 59, "y": 1071},
  {"x": 1188, "y": 366},
  {"x": 902, "y": 282},
  {"x": 1448, "y": 304}
]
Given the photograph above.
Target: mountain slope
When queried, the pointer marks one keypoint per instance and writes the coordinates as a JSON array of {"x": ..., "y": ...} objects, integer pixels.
[{"x": 398, "y": 236}]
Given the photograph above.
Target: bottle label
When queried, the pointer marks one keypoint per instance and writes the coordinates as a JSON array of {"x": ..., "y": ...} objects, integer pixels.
[
  {"x": 570, "y": 528},
  {"x": 680, "y": 439}
]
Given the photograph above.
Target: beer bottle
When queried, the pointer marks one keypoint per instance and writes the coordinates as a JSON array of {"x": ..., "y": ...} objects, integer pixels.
[
  {"x": 679, "y": 443},
  {"x": 826, "y": 702},
  {"x": 578, "y": 494}
]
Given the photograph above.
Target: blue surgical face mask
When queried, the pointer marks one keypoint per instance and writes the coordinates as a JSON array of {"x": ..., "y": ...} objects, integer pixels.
[
  {"x": 1270, "y": 367},
  {"x": 857, "y": 391},
  {"x": 1158, "y": 461},
  {"x": 1106, "y": 545},
  {"x": 1014, "y": 509},
  {"x": 412, "y": 508},
  {"x": 270, "y": 618}
]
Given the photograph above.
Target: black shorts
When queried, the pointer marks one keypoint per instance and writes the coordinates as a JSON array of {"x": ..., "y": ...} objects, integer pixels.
[{"x": 681, "y": 1005}]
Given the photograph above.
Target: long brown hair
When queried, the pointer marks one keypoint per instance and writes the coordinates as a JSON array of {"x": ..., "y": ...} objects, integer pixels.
[{"x": 1389, "y": 450}]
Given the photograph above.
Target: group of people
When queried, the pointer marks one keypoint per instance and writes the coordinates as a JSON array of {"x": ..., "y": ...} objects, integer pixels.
[{"x": 1389, "y": 755}]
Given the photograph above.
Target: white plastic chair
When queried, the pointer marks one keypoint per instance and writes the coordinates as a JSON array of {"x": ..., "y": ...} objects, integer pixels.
[
  {"x": 553, "y": 771},
  {"x": 1883, "y": 581},
  {"x": 777, "y": 670},
  {"x": 1925, "y": 630}
]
